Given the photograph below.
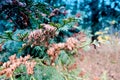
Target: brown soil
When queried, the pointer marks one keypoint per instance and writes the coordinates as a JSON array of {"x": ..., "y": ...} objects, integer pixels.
[{"x": 103, "y": 60}]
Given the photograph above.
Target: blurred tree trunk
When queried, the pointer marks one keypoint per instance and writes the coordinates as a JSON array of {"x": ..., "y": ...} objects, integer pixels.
[{"x": 94, "y": 17}]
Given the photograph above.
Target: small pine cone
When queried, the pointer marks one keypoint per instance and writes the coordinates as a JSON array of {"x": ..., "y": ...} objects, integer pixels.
[
  {"x": 2, "y": 72},
  {"x": 30, "y": 71},
  {"x": 13, "y": 57},
  {"x": 50, "y": 51},
  {"x": 9, "y": 72},
  {"x": 27, "y": 57},
  {"x": 4, "y": 65},
  {"x": 61, "y": 45}
]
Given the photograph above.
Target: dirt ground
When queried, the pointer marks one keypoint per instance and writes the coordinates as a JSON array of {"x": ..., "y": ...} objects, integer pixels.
[{"x": 100, "y": 63}]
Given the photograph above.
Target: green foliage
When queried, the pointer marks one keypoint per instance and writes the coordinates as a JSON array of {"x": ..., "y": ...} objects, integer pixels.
[
  {"x": 7, "y": 35},
  {"x": 23, "y": 36},
  {"x": 48, "y": 73},
  {"x": 86, "y": 45},
  {"x": 36, "y": 51},
  {"x": 43, "y": 72},
  {"x": 12, "y": 43},
  {"x": 63, "y": 58},
  {"x": 4, "y": 56},
  {"x": 38, "y": 10}
]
